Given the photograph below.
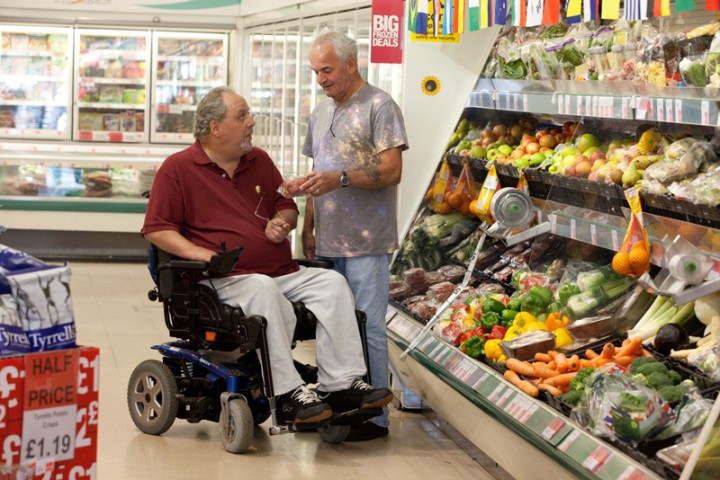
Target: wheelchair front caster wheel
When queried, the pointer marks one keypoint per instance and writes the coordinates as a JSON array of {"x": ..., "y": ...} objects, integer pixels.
[
  {"x": 236, "y": 426},
  {"x": 333, "y": 433},
  {"x": 152, "y": 397}
]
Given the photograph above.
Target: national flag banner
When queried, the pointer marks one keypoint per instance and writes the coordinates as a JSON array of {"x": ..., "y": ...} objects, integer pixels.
[
  {"x": 610, "y": 10},
  {"x": 574, "y": 11},
  {"x": 448, "y": 18},
  {"x": 712, "y": 5},
  {"x": 486, "y": 13},
  {"x": 590, "y": 10},
  {"x": 551, "y": 12},
  {"x": 635, "y": 10},
  {"x": 684, "y": 5},
  {"x": 519, "y": 13},
  {"x": 412, "y": 14},
  {"x": 661, "y": 8},
  {"x": 473, "y": 15},
  {"x": 501, "y": 12},
  {"x": 422, "y": 17},
  {"x": 437, "y": 11},
  {"x": 534, "y": 12}
]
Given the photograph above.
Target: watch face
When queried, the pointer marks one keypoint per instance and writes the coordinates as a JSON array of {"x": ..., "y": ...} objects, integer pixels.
[{"x": 344, "y": 180}]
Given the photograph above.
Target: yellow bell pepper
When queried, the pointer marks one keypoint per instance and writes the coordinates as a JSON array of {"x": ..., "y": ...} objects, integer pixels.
[
  {"x": 492, "y": 349},
  {"x": 522, "y": 319},
  {"x": 562, "y": 337},
  {"x": 511, "y": 332},
  {"x": 501, "y": 359},
  {"x": 534, "y": 326}
]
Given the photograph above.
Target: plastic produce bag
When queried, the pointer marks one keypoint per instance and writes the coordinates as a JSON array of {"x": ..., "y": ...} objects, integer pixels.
[
  {"x": 702, "y": 190},
  {"x": 618, "y": 407},
  {"x": 693, "y": 72}
]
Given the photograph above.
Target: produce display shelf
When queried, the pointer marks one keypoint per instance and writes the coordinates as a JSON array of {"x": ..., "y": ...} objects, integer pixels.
[
  {"x": 571, "y": 447},
  {"x": 83, "y": 204}
]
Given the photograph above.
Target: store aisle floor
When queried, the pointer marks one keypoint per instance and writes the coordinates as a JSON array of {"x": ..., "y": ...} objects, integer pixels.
[{"x": 113, "y": 313}]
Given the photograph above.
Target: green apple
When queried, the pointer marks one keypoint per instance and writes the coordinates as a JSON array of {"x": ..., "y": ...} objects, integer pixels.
[
  {"x": 478, "y": 152},
  {"x": 587, "y": 140},
  {"x": 520, "y": 163},
  {"x": 537, "y": 158},
  {"x": 505, "y": 149},
  {"x": 492, "y": 153}
]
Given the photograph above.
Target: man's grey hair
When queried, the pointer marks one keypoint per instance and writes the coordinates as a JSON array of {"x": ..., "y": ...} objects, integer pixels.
[
  {"x": 211, "y": 107},
  {"x": 345, "y": 47}
]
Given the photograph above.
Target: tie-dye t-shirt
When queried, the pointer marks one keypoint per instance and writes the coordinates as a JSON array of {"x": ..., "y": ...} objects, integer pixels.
[{"x": 350, "y": 221}]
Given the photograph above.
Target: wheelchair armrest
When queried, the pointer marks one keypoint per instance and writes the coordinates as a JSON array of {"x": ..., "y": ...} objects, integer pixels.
[{"x": 307, "y": 262}]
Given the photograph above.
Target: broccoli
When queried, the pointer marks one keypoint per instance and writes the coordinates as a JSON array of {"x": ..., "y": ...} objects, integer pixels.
[
  {"x": 650, "y": 368},
  {"x": 572, "y": 397},
  {"x": 658, "y": 380},
  {"x": 675, "y": 377},
  {"x": 639, "y": 362},
  {"x": 671, "y": 393},
  {"x": 578, "y": 383}
]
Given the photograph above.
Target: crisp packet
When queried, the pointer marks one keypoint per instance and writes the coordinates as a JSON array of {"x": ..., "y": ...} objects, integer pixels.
[{"x": 291, "y": 187}]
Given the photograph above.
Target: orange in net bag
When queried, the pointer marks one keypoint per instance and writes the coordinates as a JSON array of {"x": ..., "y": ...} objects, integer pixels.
[
  {"x": 442, "y": 188},
  {"x": 489, "y": 187},
  {"x": 465, "y": 190},
  {"x": 633, "y": 258}
]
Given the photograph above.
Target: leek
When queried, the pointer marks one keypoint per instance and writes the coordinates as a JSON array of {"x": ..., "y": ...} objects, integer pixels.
[
  {"x": 662, "y": 311},
  {"x": 583, "y": 303}
]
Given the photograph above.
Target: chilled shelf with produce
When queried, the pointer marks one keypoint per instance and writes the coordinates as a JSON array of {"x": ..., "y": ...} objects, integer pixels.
[{"x": 35, "y": 79}]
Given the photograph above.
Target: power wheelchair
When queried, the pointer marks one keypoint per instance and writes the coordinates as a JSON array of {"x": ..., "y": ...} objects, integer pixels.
[{"x": 218, "y": 369}]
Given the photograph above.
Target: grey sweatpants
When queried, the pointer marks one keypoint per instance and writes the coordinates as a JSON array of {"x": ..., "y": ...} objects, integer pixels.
[{"x": 326, "y": 293}]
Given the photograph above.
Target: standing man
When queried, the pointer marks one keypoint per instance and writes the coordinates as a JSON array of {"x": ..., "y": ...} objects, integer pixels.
[{"x": 356, "y": 137}]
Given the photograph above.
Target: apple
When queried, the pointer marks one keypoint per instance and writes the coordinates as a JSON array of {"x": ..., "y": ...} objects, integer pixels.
[
  {"x": 518, "y": 152},
  {"x": 569, "y": 171},
  {"x": 516, "y": 131},
  {"x": 505, "y": 149},
  {"x": 597, "y": 155},
  {"x": 560, "y": 138},
  {"x": 545, "y": 149},
  {"x": 478, "y": 152},
  {"x": 492, "y": 153},
  {"x": 586, "y": 141},
  {"x": 581, "y": 158},
  {"x": 593, "y": 176},
  {"x": 520, "y": 163},
  {"x": 486, "y": 142},
  {"x": 477, "y": 142},
  {"x": 547, "y": 140},
  {"x": 532, "y": 147},
  {"x": 583, "y": 168},
  {"x": 597, "y": 164},
  {"x": 499, "y": 129},
  {"x": 464, "y": 152}
]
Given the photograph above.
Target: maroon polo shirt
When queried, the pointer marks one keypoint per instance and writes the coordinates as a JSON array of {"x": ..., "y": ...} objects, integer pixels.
[{"x": 194, "y": 196}]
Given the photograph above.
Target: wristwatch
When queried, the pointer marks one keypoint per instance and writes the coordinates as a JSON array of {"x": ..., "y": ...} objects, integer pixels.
[{"x": 344, "y": 179}]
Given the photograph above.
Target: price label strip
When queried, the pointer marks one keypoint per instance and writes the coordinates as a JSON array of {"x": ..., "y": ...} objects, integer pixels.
[
  {"x": 597, "y": 460},
  {"x": 50, "y": 412}
]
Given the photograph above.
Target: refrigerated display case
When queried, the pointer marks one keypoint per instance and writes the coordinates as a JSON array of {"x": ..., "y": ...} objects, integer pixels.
[
  {"x": 186, "y": 66},
  {"x": 112, "y": 80},
  {"x": 35, "y": 82}
]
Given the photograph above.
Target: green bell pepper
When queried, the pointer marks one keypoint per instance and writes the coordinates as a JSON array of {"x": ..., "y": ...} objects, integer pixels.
[
  {"x": 507, "y": 316},
  {"x": 567, "y": 291},
  {"x": 489, "y": 320},
  {"x": 533, "y": 304},
  {"x": 492, "y": 305},
  {"x": 543, "y": 292},
  {"x": 555, "y": 307},
  {"x": 473, "y": 347},
  {"x": 514, "y": 304}
]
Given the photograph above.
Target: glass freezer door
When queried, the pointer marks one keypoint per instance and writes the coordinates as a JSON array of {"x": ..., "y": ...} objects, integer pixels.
[
  {"x": 35, "y": 79},
  {"x": 112, "y": 81},
  {"x": 187, "y": 65}
]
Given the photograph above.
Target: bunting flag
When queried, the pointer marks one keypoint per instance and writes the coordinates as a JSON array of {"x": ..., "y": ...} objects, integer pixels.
[
  {"x": 460, "y": 24},
  {"x": 473, "y": 15},
  {"x": 448, "y": 18},
  {"x": 534, "y": 12},
  {"x": 590, "y": 10},
  {"x": 486, "y": 13},
  {"x": 574, "y": 11},
  {"x": 635, "y": 10},
  {"x": 501, "y": 12},
  {"x": 421, "y": 24},
  {"x": 610, "y": 9},
  {"x": 712, "y": 5},
  {"x": 437, "y": 9},
  {"x": 551, "y": 13},
  {"x": 661, "y": 8},
  {"x": 519, "y": 15},
  {"x": 684, "y": 5},
  {"x": 412, "y": 15}
]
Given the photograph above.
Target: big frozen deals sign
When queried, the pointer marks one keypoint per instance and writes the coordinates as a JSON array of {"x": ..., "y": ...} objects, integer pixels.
[{"x": 385, "y": 45}]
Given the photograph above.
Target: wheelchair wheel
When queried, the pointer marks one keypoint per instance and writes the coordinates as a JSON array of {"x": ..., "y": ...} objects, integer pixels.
[
  {"x": 152, "y": 397},
  {"x": 333, "y": 433},
  {"x": 236, "y": 430}
]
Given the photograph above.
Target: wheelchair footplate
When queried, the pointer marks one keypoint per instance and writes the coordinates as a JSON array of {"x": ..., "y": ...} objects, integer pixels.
[{"x": 333, "y": 430}]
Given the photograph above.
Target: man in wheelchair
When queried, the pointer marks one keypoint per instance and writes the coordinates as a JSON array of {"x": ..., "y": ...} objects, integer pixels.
[{"x": 222, "y": 189}]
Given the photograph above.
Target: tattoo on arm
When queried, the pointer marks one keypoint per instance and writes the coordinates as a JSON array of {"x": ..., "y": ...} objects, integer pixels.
[{"x": 372, "y": 171}]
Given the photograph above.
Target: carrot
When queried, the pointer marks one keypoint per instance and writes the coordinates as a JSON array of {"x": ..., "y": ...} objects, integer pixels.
[
  {"x": 624, "y": 361},
  {"x": 590, "y": 354},
  {"x": 544, "y": 372},
  {"x": 552, "y": 365},
  {"x": 561, "y": 361},
  {"x": 523, "y": 385},
  {"x": 608, "y": 350},
  {"x": 646, "y": 353},
  {"x": 523, "y": 368},
  {"x": 584, "y": 363},
  {"x": 554, "y": 391},
  {"x": 542, "y": 357},
  {"x": 561, "y": 380},
  {"x": 600, "y": 361},
  {"x": 633, "y": 347},
  {"x": 574, "y": 363}
]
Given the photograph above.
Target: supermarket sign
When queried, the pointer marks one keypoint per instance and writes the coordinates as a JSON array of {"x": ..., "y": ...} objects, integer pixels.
[
  {"x": 190, "y": 7},
  {"x": 385, "y": 29}
]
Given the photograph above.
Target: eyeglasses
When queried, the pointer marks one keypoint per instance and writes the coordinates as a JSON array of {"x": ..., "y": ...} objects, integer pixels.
[
  {"x": 265, "y": 218},
  {"x": 244, "y": 116}
]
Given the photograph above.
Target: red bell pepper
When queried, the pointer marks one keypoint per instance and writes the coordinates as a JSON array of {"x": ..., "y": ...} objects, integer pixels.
[{"x": 497, "y": 332}]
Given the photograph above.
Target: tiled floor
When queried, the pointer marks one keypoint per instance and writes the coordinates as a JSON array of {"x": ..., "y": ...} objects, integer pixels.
[{"x": 113, "y": 313}]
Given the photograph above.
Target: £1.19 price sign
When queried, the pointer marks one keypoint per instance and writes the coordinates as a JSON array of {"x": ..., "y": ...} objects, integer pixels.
[{"x": 50, "y": 403}]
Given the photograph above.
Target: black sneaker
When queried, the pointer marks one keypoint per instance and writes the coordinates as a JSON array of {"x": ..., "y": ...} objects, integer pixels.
[
  {"x": 366, "y": 431},
  {"x": 358, "y": 395},
  {"x": 301, "y": 405}
]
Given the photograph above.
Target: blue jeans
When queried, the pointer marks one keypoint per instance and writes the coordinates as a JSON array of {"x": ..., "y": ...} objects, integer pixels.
[{"x": 369, "y": 281}]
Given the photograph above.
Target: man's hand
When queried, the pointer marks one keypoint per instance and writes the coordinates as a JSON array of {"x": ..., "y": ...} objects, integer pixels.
[
  {"x": 308, "y": 244},
  {"x": 277, "y": 230},
  {"x": 320, "y": 183}
]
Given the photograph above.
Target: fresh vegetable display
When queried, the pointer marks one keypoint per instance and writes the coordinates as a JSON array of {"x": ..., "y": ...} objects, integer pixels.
[{"x": 661, "y": 312}]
